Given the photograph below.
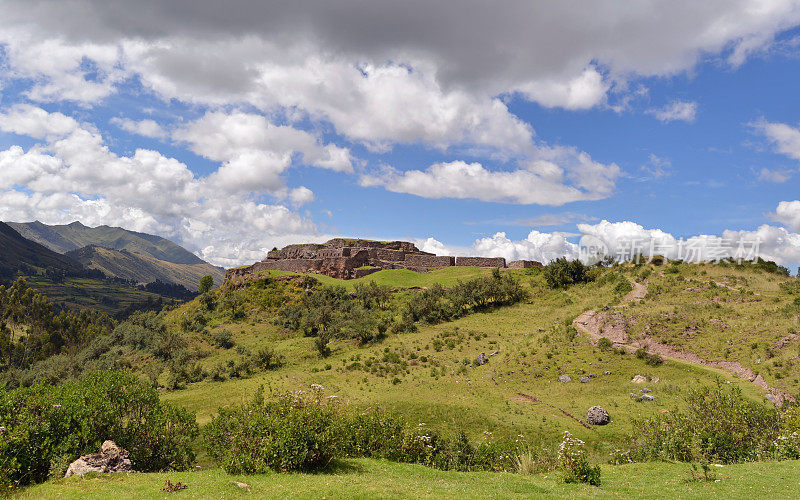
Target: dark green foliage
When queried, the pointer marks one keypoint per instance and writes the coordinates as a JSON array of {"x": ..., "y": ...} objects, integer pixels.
[
  {"x": 562, "y": 273},
  {"x": 303, "y": 433},
  {"x": 46, "y": 332},
  {"x": 771, "y": 267},
  {"x": 206, "y": 284},
  {"x": 623, "y": 286},
  {"x": 266, "y": 359},
  {"x": 651, "y": 359},
  {"x": 437, "y": 304},
  {"x": 284, "y": 434},
  {"x": 222, "y": 338},
  {"x": 604, "y": 344},
  {"x": 718, "y": 424},
  {"x": 45, "y": 427}
]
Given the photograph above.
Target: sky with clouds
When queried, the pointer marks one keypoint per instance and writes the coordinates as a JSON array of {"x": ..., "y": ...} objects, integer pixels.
[{"x": 496, "y": 128}]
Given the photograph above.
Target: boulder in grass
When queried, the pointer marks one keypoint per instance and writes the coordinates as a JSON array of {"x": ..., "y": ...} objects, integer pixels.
[
  {"x": 111, "y": 458},
  {"x": 597, "y": 416},
  {"x": 639, "y": 379},
  {"x": 565, "y": 378}
]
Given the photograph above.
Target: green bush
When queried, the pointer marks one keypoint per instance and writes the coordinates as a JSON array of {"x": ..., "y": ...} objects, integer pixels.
[
  {"x": 294, "y": 432},
  {"x": 717, "y": 425},
  {"x": 574, "y": 464},
  {"x": 562, "y": 273},
  {"x": 45, "y": 427},
  {"x": 287, "y": 433},
  {"x": 651, "y": 359},
  {"x": 222, "y": 338}
]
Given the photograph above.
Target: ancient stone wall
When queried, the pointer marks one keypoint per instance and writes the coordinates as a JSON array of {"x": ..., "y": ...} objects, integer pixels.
[
  {"x": 404, "y": 246},
  {"x": 364, "y": 271},
  {"x": 523, "y": 264},
  {"x": 481, "y": 261},
  {"x": 304, "y": 251},
  {"x": 417, "y": 260},
  {"x": 390, "y": 255},
  {"x": 332, "y": 253}
]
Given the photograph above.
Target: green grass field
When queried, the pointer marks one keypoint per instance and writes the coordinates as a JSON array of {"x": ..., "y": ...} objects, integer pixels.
[
  {"x": 430, "y": 378},
  {"x": 381, "y": 479}
]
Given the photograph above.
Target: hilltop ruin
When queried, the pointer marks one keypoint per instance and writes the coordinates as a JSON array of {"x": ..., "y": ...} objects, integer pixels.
[{"x": 354, "y": 258}]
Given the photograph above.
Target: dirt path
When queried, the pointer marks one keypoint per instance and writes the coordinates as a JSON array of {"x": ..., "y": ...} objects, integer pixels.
[{"x": 612, "y": 325}]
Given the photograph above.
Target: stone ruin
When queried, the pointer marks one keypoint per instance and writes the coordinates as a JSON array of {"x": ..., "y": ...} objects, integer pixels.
[{"x": 354, "y": 258}]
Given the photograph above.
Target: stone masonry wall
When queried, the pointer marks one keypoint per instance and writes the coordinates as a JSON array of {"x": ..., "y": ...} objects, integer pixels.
[
  {"x": 523, "y": 264},
  {"x": 481, "y": 261},
  {"x": 415, "y": 260}
]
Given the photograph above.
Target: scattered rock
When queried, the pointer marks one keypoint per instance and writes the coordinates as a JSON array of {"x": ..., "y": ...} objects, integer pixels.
[
  {"x": 634, "y": 395},
  {"x": 639, "y": 379},
  {"x": 607, "y": 372},
  {"x": 597, "y": 416},
  {"x": 655, "y": 380},
  {"x": 172, "y": 488},
  {"x": 591, "y": 375},
  {"x": 584, "y": 380},
  {"x": 644, "y": 390},
  {"x": 646, "y": 397},
  {"x": 771, "y": 397},
  {"x": 495, "y": 353},
  {"x": 565, "y": 378},
  {"x": 243, "y": 486},
  {"x": 111, "y": 458},
  {"x": 482, "y": 359}
]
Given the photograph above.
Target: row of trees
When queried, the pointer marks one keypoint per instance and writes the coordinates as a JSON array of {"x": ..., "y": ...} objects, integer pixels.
[{"x": 32, "y": 330}]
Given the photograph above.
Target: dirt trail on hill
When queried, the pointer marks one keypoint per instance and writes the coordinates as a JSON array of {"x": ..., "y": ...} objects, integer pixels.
[{"x": 613, "y": 326}]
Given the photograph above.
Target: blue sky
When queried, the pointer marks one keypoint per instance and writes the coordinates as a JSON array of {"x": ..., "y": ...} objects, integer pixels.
[{"x": 234, "y": 131}]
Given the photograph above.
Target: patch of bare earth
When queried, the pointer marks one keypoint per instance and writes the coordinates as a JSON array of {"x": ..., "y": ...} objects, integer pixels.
[{"x": 613, "y": 326}]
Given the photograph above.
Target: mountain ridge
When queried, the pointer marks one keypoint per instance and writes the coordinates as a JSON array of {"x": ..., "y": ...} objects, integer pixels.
[
  {"x": 67, "y": 237},
  {"x": 143, "y": 268}
]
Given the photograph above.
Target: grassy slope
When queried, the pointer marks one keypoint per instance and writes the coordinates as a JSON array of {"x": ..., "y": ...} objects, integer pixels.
[
  {"x": 690, "y": 311},
  {"x": 532, "y": 354},
  {"x": 143, "y": 268},
  {"x": 381, "y": 479},
  {"x": 17, "y": 251},
  {"x": 533, "y": 351}
]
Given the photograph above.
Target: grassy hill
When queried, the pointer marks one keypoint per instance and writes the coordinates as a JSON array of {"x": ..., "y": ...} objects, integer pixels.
[
  {"x": 143, "y": 268},
  {"x": 720, "y": 314},
  {"x": 65, "y": 238},
  {"x": 534, "y": 345},
  {"x": 19, "y": 253}
]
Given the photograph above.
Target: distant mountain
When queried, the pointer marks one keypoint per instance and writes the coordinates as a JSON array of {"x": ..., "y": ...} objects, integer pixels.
[
  {"x": 65, "y": 238},
  {"x": 20, "y": 255},
  {"x": 143, "y": 268}
]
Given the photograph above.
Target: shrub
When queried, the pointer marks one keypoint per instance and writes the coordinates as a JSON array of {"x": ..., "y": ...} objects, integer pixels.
[
  {"x": 45, "y": 427},
  {"x": 604, "y": 344},
  {"x": 718, "y": 424},
  {"x": 562, "y": 273},
  {"x": 266, "y": 359},
  {"x": 651, "y": 359},
  {"x": 291, "y": 432},
  {"x": 623, "y": 287},
  {"x": 222, "y": 338},
  {"x": 573, "y": 462}
]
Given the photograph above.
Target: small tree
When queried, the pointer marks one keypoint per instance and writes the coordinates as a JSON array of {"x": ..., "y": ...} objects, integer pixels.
[{"x": 206, "y": 283}]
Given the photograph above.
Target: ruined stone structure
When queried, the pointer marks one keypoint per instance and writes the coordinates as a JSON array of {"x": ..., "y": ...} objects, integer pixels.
[
  {"x": 523, "y": 264},
  {"x": 481, "y": 261},
  {"x": 354, "y": 258}
]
